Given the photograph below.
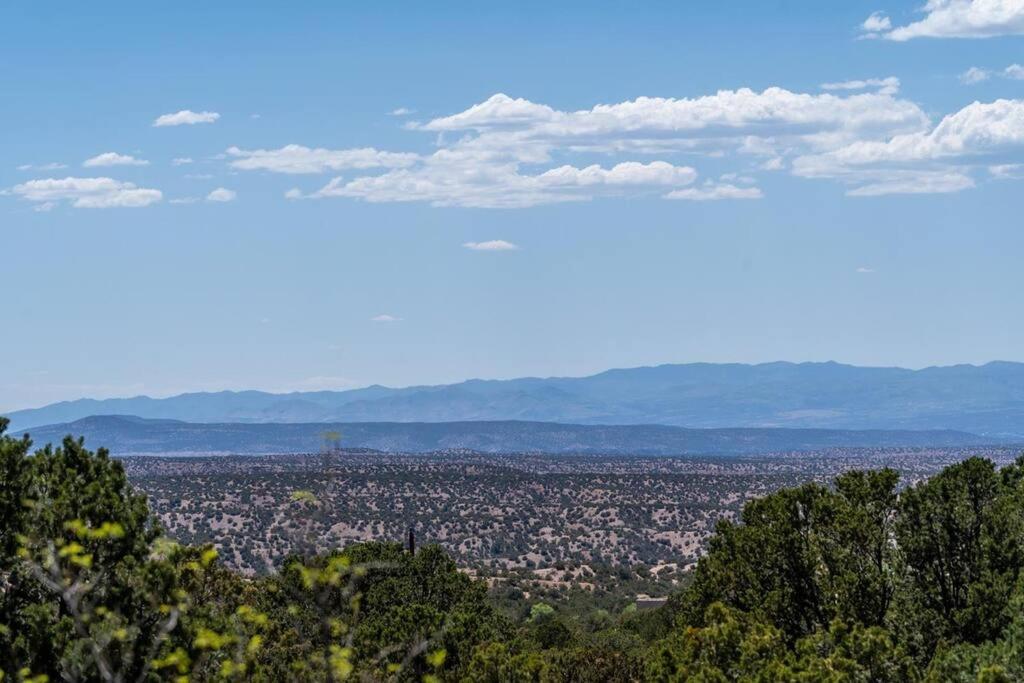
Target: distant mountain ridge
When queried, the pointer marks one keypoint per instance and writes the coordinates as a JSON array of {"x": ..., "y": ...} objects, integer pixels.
[
  {"x": 986, "y": 400},
  {"x": 133, "y": 435}
]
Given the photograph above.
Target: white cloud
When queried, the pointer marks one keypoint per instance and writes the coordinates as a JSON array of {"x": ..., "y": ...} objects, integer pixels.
[
  {"x": 113, "y": 159},
  {"x": 955, "y": 19},
  {"x": 222, "y": 194},
  {"x": 491, "y": 245},
  {"x": 502, "y": 156},
  {"x": 626, "y": 173},
  {"x": 716, "y": 191},
  {"x": 298, "y": 159},
  {"x": 1007, "y": 171},
  {"x": 186, "y": 117},
  {"x": 184, "y": 200},
  {"x": 401, "y": 111},
  {"x": 886, "y": 86},
  {"x": 876, "y": 23},
  {"x": 87, "y": 193},
  {"x": 53, "y": 166},
  {"x": 976, "y": 129},
  {"x": 181, "y": 161},
  {"x": 924, "y": 182},
  {"x": 662, "y": 123},
  {"x": 497, "y": 112},
  {"x": 935, "y": 160},
  {"x": 865, "y": 269},
  {"x": 44, "y": 207},
  {"x": 977, "y": 75},
  {"x": 460, "y": 178},
  {"x": 502, "y": 153},
  {"x": 384, "y": 318},
  {"x": 974, "y": 75}
]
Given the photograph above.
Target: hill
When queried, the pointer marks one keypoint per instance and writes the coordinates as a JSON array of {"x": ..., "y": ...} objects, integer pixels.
[
  {"x": 125, "y": 434},
  {"x": 987, "y": 400}
]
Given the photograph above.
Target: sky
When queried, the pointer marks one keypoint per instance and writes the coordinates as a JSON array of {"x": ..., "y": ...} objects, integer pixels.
[{"x": 320, "y": 195}]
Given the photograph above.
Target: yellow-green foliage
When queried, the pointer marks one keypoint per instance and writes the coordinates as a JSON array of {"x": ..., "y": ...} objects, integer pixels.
[{"x": 857, "y": 581}]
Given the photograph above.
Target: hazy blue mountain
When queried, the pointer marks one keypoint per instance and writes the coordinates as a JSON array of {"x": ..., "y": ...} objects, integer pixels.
[
  {"x": 127, "y": 434},
  {"x": 987, "y": 399}
]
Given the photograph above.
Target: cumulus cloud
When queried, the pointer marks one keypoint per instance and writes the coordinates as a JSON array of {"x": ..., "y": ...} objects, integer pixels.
[
  {"x": 935, "y": 160},
  {"x": 977, "y": 129},
  {"x": 186, "y": 117},
  {"x": 977, "y": 75},
  {"x": 660, "y": 123},
  {"x": 499, "y": 153},
  {"x": 491, "y": 245},
  {"x": 510, "y": 152},
  {"x": 114, "y": 159},
  {"x": 955, "y": 19},
  {"x": 715, "y": 191},
  {"x": 181, "y": 161},
  {"x": 401, "y": 111},
  {"x": 222, "y": 194},
  {"x": 876, "y": 23},
  {"x": 497, "y": 112},
  {"x": 86, "y": 193},
  {"x": 865, "y": 269},
  {"x": 297, "y": 159},
  {"x": 974, "y": 75},
  {"x": 626, "y": 173},
  {"x": 384, "y": 318},
  {"x": 455, "y": 178}
]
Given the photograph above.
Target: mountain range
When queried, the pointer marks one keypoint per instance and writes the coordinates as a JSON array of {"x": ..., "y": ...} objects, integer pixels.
[
  {"x": 986, "y": 400},
  {"x": 133, "y": 435}
]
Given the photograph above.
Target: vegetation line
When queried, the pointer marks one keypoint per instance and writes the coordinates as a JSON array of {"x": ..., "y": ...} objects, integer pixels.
[{"x": 859, "y": 580}]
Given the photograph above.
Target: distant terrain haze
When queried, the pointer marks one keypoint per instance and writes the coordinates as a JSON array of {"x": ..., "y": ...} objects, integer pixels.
[
  {"x": 986, "y": 400},
  {"x": 125, "y": 435}
]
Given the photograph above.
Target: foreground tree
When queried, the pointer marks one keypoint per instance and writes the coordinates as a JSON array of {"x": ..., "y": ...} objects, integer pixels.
[
  {"x": 90, "y": 590},
  {"x": 853, "y": 582},
  {"x": 962, "y": 539},
  {"x": 82, "y": 598},
  {"x": 854, "y": 539},
  {"x": 379, "y": 607},
  {"x": 765, "y": 565},
  {"x": 801, "y": 557},
  {"x": 996, "y": 661},
  {"x": 934, "y": 565}
]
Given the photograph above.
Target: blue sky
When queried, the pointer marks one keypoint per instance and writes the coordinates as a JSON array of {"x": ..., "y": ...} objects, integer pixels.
[{"x": 642, "y": 182}]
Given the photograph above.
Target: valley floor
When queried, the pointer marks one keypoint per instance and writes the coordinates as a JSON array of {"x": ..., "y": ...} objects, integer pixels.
[{"x": 544, "y": 522}]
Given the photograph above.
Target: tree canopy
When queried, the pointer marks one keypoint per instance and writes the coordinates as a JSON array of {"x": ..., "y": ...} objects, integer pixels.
[{"x": 860, "y": 580}]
